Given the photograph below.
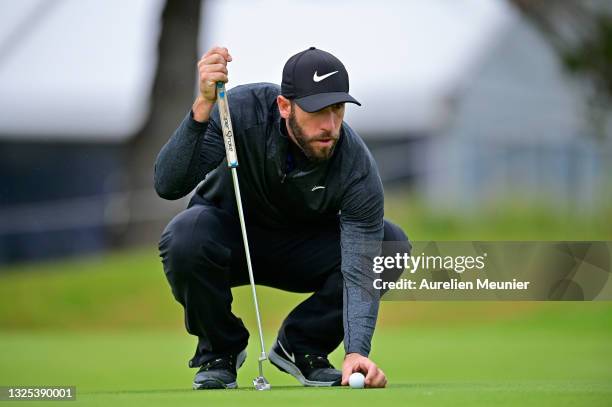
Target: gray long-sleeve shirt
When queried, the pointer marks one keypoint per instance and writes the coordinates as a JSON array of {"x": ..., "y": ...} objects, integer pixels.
[{"x": 276, "y": 196}]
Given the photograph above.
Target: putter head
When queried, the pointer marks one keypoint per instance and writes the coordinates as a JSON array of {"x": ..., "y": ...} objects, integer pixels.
[{"x": 261, "y": 383}]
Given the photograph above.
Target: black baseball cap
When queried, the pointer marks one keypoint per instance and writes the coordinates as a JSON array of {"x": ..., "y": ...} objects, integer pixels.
[{"x": 315, "y": 79}]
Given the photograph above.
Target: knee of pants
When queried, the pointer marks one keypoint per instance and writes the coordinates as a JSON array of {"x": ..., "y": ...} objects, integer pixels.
[
  {"x": 331, "y": 292},
  {"x": 190, "y": 241},
  {"x": 395, "y": 239},
  {"x": 395, "y": 242}
]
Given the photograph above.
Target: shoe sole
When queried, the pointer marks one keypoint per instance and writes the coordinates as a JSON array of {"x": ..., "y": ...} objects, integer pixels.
[
  {"x": 218, "y": 384},
  {"x": 286, "y": 366},
  {"x": 213, "y": 384}
]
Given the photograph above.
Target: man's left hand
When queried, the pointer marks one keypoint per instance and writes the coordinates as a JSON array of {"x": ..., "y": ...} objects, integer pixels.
[{"x": 354, "y": 362}]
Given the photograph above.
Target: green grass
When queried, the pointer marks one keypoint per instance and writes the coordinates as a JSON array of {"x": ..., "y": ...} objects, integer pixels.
[
  {"x": 108, "y": 325},
  {"x": 522, "y": 219},
  {"x": 476, "y": 366}
]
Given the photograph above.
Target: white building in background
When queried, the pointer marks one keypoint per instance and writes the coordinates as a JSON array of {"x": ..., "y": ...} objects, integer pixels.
[
  {"x": 519, "y": 133},
  {"x": 76, "y": 70},
  {"x": 465, "y": 98}
]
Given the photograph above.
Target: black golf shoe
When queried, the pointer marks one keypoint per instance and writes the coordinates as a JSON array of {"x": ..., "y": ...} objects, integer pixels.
[
  {"x": 219, "y": 373},
  {"x": 309, "y": 369}
]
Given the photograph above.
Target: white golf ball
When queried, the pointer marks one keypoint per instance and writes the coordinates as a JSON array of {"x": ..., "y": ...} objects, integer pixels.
[{"x": 357, "y": 380}]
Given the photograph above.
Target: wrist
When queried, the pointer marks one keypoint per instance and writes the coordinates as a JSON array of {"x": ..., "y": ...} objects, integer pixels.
[{"x": 201, "y": 109}]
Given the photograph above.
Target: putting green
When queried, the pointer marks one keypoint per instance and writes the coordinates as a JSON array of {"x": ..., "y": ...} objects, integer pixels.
[
  {"x": 109, "y": 326},
  {"x": 426, "y": 366}
]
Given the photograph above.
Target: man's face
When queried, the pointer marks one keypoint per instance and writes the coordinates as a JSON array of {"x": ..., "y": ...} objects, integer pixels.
[{"x": 316, "y": 133}]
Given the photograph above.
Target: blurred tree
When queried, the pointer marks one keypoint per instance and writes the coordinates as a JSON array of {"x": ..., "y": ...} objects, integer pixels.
[
  {"x": 171, "y": 96},
  {"x": 581, "y": 33}
]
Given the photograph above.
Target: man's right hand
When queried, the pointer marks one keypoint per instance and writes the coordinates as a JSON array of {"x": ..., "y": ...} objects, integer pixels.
[
  {"x": 212, "y": 68},
  {"x": 354, "y": 362}
]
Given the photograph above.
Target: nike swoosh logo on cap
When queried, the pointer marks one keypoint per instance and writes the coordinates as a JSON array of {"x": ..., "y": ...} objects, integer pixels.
[{"x": 317, "y": 78}]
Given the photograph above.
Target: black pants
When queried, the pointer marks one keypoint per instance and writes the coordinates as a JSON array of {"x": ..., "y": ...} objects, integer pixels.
[{"x": 203, "y": 257}]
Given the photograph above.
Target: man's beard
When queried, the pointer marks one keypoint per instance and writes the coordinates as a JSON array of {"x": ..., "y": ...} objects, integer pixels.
[{"x": 312, "y": 152}]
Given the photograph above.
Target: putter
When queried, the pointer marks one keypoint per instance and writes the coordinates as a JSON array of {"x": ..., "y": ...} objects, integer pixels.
[{"x": 260, "y": 382}]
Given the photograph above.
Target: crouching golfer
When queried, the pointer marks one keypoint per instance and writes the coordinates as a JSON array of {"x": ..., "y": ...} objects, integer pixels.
[{"x": 313, "y": 203}]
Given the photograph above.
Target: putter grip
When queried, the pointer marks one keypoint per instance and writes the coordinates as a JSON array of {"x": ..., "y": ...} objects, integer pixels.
[{"x": 226, "y": 125}]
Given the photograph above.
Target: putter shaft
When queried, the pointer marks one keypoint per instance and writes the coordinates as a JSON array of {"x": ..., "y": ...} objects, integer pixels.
[
  {"x": 260, "y": 382},
  {"x": 250, "y": 269}
]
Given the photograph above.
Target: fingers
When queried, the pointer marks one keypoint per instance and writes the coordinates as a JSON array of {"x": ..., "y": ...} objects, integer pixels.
[
  {"x": 212, "y": 59},
  {"x": 212, "y": 68},
  {"x": 213, "y": 77},
  {"x": 215, "y": 60},
  {"x": 221, "y": 51},
  {"x": 384, "y": 378},
  {"x": 213, "y": 73},
  {"x": 347, "y": 370},
  {"x": 349, "y": 366},
  {"x": 371, "y": 369},
  {"x": 377, "y": 379},
  {"x": 374, "y": 376}
]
